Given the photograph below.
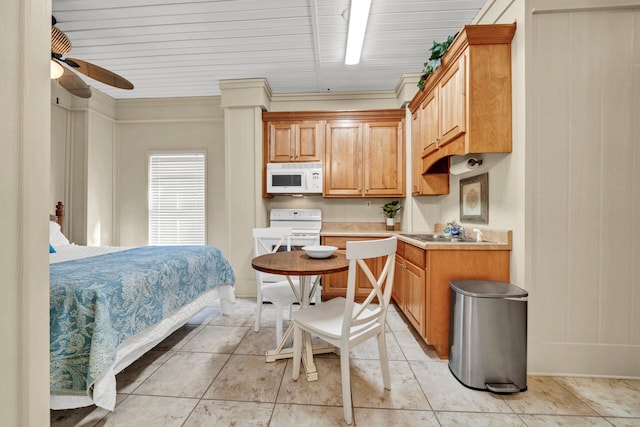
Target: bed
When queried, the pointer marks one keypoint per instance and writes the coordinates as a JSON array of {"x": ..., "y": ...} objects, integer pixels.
[{"x": 110, "y": 305}]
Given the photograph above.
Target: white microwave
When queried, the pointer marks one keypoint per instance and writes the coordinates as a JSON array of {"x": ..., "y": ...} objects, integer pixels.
[{"x": 294, "y": 178}]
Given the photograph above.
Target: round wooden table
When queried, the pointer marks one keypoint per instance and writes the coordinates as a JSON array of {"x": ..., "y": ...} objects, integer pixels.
[{"x": 298, "y": 263}]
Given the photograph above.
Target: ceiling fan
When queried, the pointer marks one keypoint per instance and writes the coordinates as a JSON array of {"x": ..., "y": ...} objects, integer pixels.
[{"x": 69, "y": 80}]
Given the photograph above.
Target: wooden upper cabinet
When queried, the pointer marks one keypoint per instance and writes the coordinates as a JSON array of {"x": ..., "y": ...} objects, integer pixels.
[
  {"x": 427, "y": 141},
  {"x": 383, "y": 159},
  {"x": 429, "y": 123},
  {"x": 365, "y": 157},
  {"x": 465, "y": 106},
  {"x": 416, "y": 159},
  {"x": 294, "y": 141},
  {"x": 451, "y": 104},
  {"x": 362, "y": 151},
  {"x": 343, "y": 159}
]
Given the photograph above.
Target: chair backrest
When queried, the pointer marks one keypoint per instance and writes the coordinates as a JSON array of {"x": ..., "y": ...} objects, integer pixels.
[
  {"x": 269, "y": 240},
  {"x": 357, "y": 253}
]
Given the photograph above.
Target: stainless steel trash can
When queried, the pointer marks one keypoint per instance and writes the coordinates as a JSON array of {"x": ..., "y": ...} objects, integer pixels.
[{"x": 488, "y": 335}]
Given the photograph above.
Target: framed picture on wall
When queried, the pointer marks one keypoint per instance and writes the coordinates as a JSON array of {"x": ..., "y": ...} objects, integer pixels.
[{"x": 474, "y": 199}]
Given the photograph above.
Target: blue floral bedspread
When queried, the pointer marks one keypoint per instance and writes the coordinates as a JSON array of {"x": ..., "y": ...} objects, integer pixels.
[{"x": 98, "y": 302}]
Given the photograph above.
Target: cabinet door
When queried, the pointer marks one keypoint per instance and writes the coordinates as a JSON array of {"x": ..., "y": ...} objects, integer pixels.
[
  {"x": 429, "y": 123},
  {"x": 397, "y": 293},
  {"x": 414, "y": 287},
  {"x": 282, "y": 139},
  {"x": 309, "y": 146},
  {"x": 335, "y": 284},
  {"x": 363, "y": 286},
  {"x": 416, "y": 151},
  {"x": 295, "y": 141},
  {"x": 452, "y": 102},
  {"x": 343, "y": 159},
  {"x": 383, "y": 159}
]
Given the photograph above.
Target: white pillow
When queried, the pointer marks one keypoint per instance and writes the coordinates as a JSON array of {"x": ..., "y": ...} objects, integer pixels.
[{"x": 56, "y": 238}]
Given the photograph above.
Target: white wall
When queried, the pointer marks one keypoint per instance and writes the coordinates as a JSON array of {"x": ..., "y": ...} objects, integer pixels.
[
  {"x": 82, "y": 164},
  {"x": 144, "y": 126},
  {"x": 100, "y": 160}
]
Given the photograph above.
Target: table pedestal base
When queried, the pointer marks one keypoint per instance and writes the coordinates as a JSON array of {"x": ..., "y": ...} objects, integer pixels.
[{"x": 308, "y": 350}]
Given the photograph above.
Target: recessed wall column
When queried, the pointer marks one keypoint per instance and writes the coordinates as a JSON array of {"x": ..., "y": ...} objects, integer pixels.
[{"x": 243, "y": 102}]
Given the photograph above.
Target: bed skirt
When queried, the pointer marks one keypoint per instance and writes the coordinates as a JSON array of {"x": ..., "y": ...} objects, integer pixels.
[{"x": 103, "y": 393}]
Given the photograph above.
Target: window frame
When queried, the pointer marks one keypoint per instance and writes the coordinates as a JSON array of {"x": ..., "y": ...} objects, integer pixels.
[{"x": 150, "y": 154}]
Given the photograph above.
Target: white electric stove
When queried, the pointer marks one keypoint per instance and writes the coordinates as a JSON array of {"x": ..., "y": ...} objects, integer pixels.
[{"x": 306, "y": 225}]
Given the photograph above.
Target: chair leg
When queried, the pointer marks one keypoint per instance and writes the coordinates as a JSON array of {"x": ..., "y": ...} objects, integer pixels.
[
  {"x": 279, "y": 309},
  {"x": 346, "y": 386},
  {"x": 384, "y": 360},
  {"x": 256, "y": 325},
  {"x": 297, "y": 352}
]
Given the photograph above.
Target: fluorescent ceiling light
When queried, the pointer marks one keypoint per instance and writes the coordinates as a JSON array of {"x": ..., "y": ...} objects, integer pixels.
[
  {"x": 56, "y": 70},
  {"x": 358, "y": 17}
]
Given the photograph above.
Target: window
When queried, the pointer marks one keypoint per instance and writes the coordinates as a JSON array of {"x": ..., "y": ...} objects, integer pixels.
[{"x": 177, "y": 199}]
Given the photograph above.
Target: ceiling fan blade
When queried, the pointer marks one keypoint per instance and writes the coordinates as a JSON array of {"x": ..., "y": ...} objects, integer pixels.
[
  {"x": 74, "y": 84},
  {"x": 59, "y": 42},
  {"x": 98, "y": 73}
]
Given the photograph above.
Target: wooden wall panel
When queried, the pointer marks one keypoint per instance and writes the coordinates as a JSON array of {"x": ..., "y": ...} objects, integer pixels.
[{"x": 586, "y": 190}]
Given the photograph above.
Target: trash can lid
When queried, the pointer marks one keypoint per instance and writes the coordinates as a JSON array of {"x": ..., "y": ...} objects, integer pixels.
[{"x": 487, "y": 289}]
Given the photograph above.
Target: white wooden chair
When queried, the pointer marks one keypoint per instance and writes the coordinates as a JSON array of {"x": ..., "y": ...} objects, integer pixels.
[
  {"x": 344, "y": 323},
  {"x": 272, "y": 288}
]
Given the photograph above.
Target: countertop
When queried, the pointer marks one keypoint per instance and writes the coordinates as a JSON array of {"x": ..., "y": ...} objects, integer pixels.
[{"x": 494, "y": 239}]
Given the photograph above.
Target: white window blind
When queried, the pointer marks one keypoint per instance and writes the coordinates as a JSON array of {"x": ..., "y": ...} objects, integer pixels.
[{"x": 177, "y": 199}]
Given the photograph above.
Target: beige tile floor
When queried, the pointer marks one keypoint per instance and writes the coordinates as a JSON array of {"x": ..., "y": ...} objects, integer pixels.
[{"x": 212, "y": 372}]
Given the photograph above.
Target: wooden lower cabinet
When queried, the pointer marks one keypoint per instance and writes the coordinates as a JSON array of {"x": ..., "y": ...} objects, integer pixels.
[
  {"x": 335, "y": 285},
  {"x": 423, "y": 294},
  {"x": 444, "y": 266},
  {"x": 409, "y": 289},
  {"x": 398, "y": 291},
  {"x": 421, "y": 282}
]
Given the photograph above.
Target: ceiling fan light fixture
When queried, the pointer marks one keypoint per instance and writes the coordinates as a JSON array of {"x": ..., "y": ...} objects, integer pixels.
[
  {"x": 56, "y": 70},
  {"x": 358, "y": 17}
]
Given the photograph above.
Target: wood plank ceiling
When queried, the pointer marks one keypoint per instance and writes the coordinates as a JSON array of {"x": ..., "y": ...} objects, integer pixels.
[{"x": 176, "y": 48}]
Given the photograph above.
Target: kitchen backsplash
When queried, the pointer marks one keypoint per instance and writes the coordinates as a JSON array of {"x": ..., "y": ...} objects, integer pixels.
[{"x": 337, "y": 210}]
